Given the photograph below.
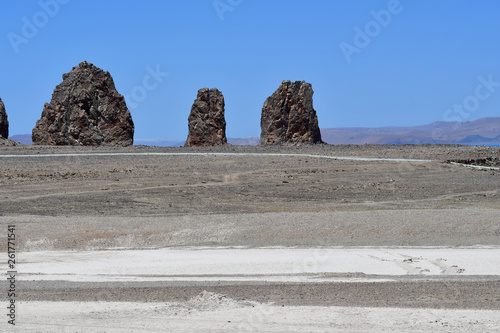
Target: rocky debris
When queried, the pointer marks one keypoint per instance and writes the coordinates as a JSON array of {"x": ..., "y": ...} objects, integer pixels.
[
  {"x": 86, "y": 109},
  {"x": 4, "y": 123},
  {"x": 8, "y": 142},
  {"x": 487, "y": 162},
  {"x": 206, "y": 122},
  {"x": 288, "y": 116}
]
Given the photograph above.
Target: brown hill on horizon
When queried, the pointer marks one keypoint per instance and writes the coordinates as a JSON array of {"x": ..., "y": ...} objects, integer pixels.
[{"x": 480, "y": 131}]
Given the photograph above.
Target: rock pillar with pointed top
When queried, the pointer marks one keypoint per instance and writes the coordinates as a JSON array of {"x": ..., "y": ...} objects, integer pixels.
[{"x": 85, "y": 110}]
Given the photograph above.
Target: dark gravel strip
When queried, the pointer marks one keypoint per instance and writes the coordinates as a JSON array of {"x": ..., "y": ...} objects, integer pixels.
[{"x": 449, "y": 294}]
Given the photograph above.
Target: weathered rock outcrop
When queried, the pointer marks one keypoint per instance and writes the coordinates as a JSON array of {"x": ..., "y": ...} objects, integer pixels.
[
  {"x": 206, "y": 122},
  {"x": 4, "y": 123},
  {"x": 288, "y": 116},
  {"x": 86, "y": 109}
]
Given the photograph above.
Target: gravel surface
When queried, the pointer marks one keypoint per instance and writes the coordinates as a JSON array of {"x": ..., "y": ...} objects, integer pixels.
[
  {"x": 410, "y": 292},
  {"x": 137, "y": 186},
  {"x": 90, "y": 203}
]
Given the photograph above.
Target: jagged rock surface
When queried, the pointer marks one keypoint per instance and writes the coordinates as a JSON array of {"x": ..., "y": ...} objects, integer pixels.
[
  {"x": 86, "y": 109},
  {"x": 288, "y": 116},
  {"x": 206, "y": 122},
  {"x": 4, "y": 123}
]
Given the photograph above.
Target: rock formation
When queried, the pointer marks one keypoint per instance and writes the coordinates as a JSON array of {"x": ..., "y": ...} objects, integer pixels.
[
  {"x": 86, "y": 109},
  {"x": 288, "y": 116},
  {"x": 4, "y": 123},
  {"x": 206, "y": 122}
]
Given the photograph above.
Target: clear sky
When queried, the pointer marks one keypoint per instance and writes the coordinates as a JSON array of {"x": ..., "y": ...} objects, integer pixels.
[{"x": 370, "y": 62}]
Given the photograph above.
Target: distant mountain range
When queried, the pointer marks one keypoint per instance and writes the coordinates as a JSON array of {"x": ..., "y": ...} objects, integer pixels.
[
  {"x": 161, "y": 142},
  {"x": 478, "y": 132},
  {"x": 484, "y": 131},
  {"x": 22, "y": 138},
  {"x": 176, "y": 143}
]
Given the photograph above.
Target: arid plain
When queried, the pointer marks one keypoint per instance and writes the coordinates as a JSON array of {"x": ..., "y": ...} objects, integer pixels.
[{"x": 271, "y": 239}]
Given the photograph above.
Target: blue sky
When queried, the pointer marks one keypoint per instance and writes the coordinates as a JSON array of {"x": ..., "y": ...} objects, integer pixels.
[{"x": 371, "y": 63}]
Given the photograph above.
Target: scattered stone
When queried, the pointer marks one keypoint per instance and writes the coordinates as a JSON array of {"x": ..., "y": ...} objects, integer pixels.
[
  {"x": 4, "y": 123},
  {"x": 288, "y": 116},
  {"x": 85, "y": 110},
  {"x": 8, "y": 142},
  {"x": 487, "y": 162},
  {"x": 206, "y": 122}
]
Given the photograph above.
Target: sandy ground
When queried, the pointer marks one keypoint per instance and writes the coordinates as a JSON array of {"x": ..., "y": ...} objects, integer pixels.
[
  {"x": 264, "y": 264},
  {"x": 214, "y": 313},
  {"x": 323, "y": 239}
]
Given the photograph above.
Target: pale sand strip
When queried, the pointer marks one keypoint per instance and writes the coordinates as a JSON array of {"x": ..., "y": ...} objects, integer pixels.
[
  {"x": 239, "y": 316},
  {"x": 265, "y": 264}
]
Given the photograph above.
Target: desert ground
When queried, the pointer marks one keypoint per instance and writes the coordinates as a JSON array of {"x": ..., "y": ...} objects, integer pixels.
[{"x": 253, "y": 239}]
